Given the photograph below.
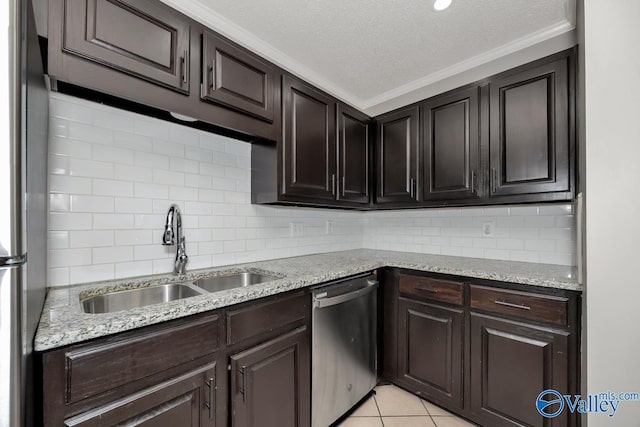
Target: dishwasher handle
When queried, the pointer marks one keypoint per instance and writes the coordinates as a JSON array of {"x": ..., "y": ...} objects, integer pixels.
[{"x": 339, "y": 299}]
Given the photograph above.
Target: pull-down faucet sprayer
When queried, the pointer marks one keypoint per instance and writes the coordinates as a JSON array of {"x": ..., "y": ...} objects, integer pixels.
[{"x": 169, "y": 239}]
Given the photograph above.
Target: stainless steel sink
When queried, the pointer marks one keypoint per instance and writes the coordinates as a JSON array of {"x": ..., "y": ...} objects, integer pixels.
[
  {"x": 231, "y": 281},
  {"x": 125, "y": 300}
]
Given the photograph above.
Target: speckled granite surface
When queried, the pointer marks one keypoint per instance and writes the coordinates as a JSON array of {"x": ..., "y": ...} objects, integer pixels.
[{"x": 63, "y": 321}]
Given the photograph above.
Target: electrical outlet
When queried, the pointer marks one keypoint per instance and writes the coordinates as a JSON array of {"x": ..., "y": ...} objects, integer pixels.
[
  {"x": 488, "y": 229},
  {"x": 328, "y": 227},
  {"x": 296, "y": 229}
]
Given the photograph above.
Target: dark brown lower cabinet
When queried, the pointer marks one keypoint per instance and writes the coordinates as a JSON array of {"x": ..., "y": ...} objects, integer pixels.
[
  {"x": 270, "y": 383},
  {"x": 188, "y": 401},
  {"x": 430, "y": 340},
  {"x": 483, "y": 350},
  {"x": 511, "y": 363}
]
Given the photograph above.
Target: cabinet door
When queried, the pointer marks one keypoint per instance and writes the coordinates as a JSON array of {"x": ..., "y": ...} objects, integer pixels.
[
  {"x": 188, "y": 401},
  {"x": 511, "y": 364},
  {"x": 531, "y": 130},
  {"x": 270, "y": 383},
  {"x": 309, "y": 138},
  {"x": 139, "y": 37},
  {"x": 397, "y": 156},
  {"x": 430, "y": 351},
  {"x": 450, "y": 146},
  {"x": 237, "y": 79},
  {"x": 353, "y": 155}
]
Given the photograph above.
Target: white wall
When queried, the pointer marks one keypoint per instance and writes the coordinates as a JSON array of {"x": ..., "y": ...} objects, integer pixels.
[
  {"x": 113, "y": 175},
  {"x": 612, "y": 80}
]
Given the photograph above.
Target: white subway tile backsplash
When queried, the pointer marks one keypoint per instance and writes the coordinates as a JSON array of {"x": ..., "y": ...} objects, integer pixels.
[
  {"x": 112, "y": 254},
  {"x": 59, "y": 202},
  {"x": 69, "y": 147},
  {"x": 90, "y": 239},
  {"x": 112, "y": 221},
  {"x": 152, "y": 191},
  {"x": 59, "y": 221},
  {"x": 91, "y": 169},
  {"x": 58, "y": 239},
  {"x": 168, "y": 148},
  {"x": 69, "y": 257},
  {"x": 122, "y": 156},
  {"x": 132, "y": 141},
  {"x": 69, "y": 184},
  {"x": 91, "y": 204},
  {"x": 110, "y": 187},
  {"x": 91, "y": 273},
  {"x": 114, "y": 174},
  {"x": 135, "y": 268},
  {"x": 133, "y": 205}
]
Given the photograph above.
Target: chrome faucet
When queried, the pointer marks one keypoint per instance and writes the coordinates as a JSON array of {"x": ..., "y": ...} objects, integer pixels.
[{"x": 168, "y": 239}]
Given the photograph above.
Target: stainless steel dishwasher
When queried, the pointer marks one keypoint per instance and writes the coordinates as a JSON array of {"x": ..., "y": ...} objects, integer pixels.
[{"x": 344, "y": 346}]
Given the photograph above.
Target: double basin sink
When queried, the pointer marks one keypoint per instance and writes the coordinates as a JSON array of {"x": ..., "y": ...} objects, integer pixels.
[{"x": 135, "y": 298}]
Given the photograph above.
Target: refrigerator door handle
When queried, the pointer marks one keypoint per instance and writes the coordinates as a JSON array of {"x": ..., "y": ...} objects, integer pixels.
[{"x": 10, "y": 261}]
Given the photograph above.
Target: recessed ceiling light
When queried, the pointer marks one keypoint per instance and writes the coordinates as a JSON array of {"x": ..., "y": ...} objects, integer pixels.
[{"x": 440, "y": 5}]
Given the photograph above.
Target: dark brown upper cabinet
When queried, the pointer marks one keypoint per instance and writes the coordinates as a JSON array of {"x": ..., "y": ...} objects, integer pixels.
[
  {"x": 270, "y": 383},
  {"x": 532, "y": 128},
  {"x": 308, "y": 142},
  {"x": 144, "y": 56},
  {"x": 353, "y": 155},
  {"x": 145, "y": 39},
  {"x": 397, "y": 157},
  {"x": 237, "y": 79},
  {"x": 451, "y": 146}
]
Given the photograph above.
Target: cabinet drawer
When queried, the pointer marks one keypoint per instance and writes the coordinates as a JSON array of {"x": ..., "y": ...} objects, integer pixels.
[
  {"x": 432, "y": 289},
  {"x": 256, "y": 319},
  {"x": 543, "y": 308},
  {"x": 94, "y": 369}
]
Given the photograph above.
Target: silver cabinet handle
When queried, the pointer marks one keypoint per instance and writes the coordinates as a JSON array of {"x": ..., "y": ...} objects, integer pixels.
[
  {"x": 185, "y": 66},
  {"x": 243, "y": 372},
  {"x": 333, "y": 184},
  {"x": 211, "y": 384},
  {"x": 212, "y": 74},
  {"x": 494, "y": 179},
  {"x": 344, "y": 187},
  {"x": 473, "y": 181},
  {"x": 512, "y": 305},
  {"x": 426, "y": 289},
  {"x": 412, "y": 192}
]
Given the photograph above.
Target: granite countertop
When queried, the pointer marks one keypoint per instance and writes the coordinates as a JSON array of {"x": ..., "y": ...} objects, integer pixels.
[{"x": 63, "y": 322}]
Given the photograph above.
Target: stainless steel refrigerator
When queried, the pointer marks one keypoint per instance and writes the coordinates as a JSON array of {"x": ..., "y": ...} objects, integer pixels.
[{"x": 23, "y": 209}]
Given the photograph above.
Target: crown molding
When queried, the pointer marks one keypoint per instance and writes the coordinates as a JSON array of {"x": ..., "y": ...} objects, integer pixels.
[
  {"x": 473, "y": 62},
  {"x": 242, "y": 36}
]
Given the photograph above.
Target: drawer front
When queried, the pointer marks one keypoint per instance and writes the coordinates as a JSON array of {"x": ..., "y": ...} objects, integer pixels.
[
  {"x": 256, "y": 319},
  {"x": 94, "y": 369},
  {"x": 432, "y": 289},
  {"x": 543, "y": 308}
]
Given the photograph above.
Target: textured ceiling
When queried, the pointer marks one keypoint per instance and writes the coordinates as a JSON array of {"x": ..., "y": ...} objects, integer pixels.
[{"x": 368, "y": 51}]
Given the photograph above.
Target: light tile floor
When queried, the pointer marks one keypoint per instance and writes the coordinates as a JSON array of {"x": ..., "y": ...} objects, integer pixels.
[{"x": 393, "y": 407}]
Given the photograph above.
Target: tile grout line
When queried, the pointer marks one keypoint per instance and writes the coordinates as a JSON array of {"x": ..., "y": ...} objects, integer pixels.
[{"x": 378, "y": 408}]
